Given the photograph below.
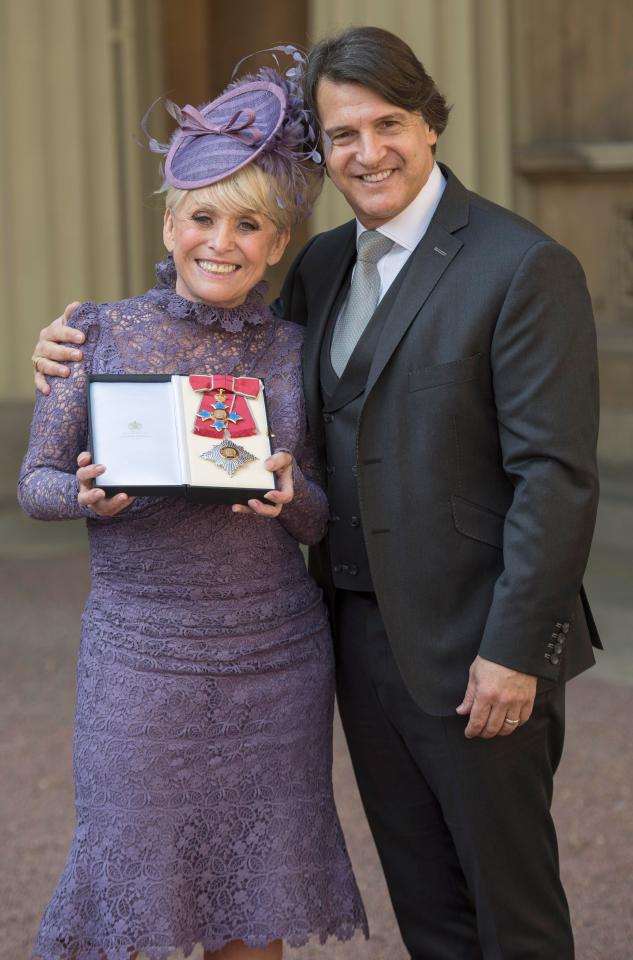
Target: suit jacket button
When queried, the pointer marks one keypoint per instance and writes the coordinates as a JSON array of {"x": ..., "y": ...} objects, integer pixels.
[
  {"x": 330, "y": 469},
  {"x": 334, "y": 518},
  {"x": 327, "y": 418},
  {"x": 337, "y": 568},
  {"x": 554, "y": 659},
  {"x": 355, "y": 521},
  {"x": 352, "y": 570}
]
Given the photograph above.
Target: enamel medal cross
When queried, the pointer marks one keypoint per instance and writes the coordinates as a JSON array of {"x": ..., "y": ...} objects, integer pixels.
[
  {"x": 220, "y": 415},
  {"x": 217, "y": 414}
]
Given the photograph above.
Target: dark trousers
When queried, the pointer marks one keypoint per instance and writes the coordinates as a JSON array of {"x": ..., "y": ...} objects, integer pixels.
[{"x": 462, "y": 827}]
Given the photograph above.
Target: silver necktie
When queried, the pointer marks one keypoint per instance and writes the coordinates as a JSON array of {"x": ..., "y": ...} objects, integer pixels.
[{"x": 362, "y": 300}]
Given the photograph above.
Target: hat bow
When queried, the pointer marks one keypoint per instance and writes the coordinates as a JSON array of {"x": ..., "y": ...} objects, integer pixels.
[{"x": 194, "y": 124}]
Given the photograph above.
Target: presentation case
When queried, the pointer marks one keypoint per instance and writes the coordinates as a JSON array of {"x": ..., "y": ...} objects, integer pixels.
[{"x": 141, "y": 428}]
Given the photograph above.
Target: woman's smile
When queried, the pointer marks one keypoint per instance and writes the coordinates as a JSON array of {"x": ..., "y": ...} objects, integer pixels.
[
  {"x": 219, "y": 254},
  {"x": 212, "y": 266}
]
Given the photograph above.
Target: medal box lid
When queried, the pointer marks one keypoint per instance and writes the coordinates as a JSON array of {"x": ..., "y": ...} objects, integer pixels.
[{"x": 141, "y": 428}]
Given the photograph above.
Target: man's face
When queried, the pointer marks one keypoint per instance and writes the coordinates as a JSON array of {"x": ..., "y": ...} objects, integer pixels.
[{"x": 380, "y": 155}]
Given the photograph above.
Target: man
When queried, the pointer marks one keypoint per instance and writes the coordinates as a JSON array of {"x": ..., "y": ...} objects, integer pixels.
[{"x": 450, "y": 376}]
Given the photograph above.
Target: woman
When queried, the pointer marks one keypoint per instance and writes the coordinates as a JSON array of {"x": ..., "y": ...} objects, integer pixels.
[{"x": 202, "y": 748}]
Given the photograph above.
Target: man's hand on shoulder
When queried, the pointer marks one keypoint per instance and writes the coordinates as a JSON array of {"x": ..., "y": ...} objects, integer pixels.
[
  {"x": 50, "y": 353},
  {"x": 498, "y": 699}
]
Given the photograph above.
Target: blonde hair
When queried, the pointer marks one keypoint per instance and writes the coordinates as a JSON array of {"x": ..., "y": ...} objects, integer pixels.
[{"x": 251, "y": 190}]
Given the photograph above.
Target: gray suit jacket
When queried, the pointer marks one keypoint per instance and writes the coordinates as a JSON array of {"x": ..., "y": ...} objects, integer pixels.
[{"x": 476, "y": 445}]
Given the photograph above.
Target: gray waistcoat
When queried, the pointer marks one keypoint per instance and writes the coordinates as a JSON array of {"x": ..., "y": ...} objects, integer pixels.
[{"x": 342, "y": 401}]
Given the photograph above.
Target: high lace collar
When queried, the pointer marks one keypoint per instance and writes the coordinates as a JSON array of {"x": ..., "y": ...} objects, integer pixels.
[{"x": 254, "y": 310}]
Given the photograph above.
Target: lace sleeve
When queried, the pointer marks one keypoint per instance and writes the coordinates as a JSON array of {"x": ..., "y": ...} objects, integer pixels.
[
  {"x": 47, "y": 485},
  {"x": 306, "y": 517}
]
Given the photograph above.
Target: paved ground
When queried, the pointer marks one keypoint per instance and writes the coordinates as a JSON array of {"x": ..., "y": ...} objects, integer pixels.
[{"x": 42, "y": 569}]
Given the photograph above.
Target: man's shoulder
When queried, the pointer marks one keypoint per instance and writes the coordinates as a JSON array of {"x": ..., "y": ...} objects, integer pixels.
[
  {"x": 488, "y": 215},
  {"x": 511, "y": 238},
  {"x": 484, "y": 221},
  {"x": 338, "y": 234},
  {"x": 324, "y": 244},
  {"x": 313, "y": 268}
]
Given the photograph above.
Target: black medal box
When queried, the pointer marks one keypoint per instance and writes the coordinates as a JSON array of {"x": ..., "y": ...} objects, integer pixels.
[{"x": 141, "y": 428}]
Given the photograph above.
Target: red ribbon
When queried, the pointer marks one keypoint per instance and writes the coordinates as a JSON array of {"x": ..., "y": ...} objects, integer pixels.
[
  {"x": 248, "y": 386},
  {"x": 236, "y": 390}
]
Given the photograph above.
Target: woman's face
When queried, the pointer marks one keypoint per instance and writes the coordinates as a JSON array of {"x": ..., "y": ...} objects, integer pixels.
[{"x": 220, "y": 256}]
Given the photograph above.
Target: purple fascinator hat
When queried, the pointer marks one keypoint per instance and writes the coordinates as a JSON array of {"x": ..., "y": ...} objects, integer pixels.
[{"x": 260, "y": 118}]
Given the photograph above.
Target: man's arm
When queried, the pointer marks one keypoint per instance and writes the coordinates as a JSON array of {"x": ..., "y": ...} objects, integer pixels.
[
  {"x": 544, "y": 369},
  {"x": 50, "y": 354}
]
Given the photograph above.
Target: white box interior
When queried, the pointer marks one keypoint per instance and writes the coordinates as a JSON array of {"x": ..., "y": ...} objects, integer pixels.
[
  {"x": 134, "y": 433},
  {"x": 142, "y": 432}
]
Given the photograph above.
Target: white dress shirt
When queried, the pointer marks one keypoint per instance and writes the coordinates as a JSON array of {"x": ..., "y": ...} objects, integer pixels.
[{"x": 407, "y": 229}]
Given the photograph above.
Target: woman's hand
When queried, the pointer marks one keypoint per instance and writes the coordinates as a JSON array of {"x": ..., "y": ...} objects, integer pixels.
[
  {"x": 49, "y": 351},
  {"x": 281, "y": 465},
  {"x": 93, "y": 497}
]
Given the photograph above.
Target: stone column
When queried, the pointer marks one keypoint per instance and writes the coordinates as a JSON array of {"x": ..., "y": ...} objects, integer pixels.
[{"x": 76, "y": 78}]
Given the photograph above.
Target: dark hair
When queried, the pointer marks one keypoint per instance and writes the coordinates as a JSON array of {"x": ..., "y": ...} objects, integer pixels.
[{"x": 384, "y": 63}]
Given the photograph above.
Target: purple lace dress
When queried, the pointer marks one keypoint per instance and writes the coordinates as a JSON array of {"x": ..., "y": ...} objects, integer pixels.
[{"x": 202, "y": 746}]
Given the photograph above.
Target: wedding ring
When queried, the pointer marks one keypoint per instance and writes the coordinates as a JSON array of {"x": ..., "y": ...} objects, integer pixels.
[
  {"x": 511, "y": 722},
  {"x": 35, "y": 360}
]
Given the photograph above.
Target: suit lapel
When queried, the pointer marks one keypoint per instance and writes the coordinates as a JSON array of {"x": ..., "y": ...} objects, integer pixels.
[
  {"x": 428, "y": 262},
  {"x": 354, "y": 377},
  {"x": 340, "y": 253}
]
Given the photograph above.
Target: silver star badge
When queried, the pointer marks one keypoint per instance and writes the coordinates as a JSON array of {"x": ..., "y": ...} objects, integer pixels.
[{"x": 228, "y": 455}]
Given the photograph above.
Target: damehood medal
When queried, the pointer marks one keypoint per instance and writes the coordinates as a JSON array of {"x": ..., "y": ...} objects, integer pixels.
[{"x": 228, "y": 455}]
